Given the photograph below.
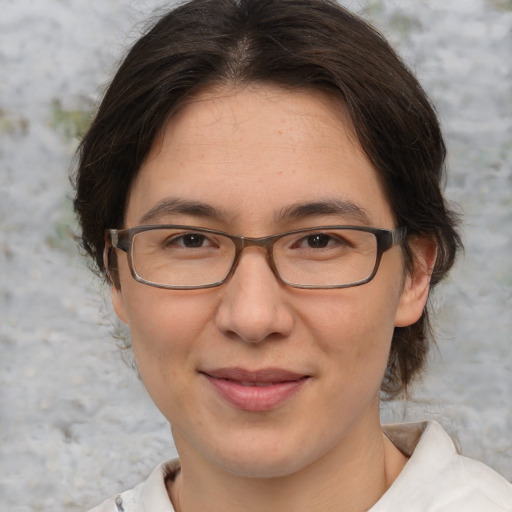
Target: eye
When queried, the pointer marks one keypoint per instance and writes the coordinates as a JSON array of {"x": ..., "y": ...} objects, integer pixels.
[
  {"x": 190, "y": 241},
  {"x": 187, "y": 240},
  {"x": 318, "y": 241}
]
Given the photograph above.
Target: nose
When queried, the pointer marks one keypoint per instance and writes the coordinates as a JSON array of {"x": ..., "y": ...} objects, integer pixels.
[{"x": 253, "y": 307}]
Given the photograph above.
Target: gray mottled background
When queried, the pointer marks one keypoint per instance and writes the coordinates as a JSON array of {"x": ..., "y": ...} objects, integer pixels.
[{"x": 75, "y": 424}]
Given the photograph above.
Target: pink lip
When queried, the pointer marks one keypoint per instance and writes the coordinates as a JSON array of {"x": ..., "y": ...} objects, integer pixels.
[{"x": 255, "y": 391}]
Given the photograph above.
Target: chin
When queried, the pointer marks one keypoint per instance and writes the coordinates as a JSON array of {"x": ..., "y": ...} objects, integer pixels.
[
  {"x": 263, "y": 462},
  {"x": 261, "y": 468}
]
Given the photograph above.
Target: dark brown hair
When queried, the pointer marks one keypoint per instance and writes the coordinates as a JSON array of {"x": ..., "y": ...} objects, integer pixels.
[{"x": 304, "y": 44}]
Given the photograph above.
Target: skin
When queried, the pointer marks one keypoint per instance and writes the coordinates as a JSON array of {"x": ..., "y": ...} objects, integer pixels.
[{"x": 250, "y": 154}]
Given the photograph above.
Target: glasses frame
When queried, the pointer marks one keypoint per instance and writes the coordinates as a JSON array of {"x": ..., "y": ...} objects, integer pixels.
[{"x": 122, "y": 239}]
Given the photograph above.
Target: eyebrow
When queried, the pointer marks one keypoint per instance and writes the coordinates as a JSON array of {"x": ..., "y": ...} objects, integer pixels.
[
  {"x": 296, "y": 211},
  {"x": 172, "y": 205},
  {"x": 330, "y": 206}
]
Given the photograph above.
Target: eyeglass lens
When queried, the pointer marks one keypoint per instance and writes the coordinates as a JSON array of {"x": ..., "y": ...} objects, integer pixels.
[{"x": 326, "y": 257}]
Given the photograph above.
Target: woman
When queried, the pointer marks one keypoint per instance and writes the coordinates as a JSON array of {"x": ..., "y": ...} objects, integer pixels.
[{"x": 261, "y": 188}]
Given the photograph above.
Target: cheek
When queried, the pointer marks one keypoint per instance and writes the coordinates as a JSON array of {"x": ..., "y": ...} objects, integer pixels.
[
  {"x": 353, "y": 332},
  {"x": 165, "y": 333},
  {"x": 160, "y": 322},
  {"x": 355, "y": 318},
  {"x": 164, "y": 326}
]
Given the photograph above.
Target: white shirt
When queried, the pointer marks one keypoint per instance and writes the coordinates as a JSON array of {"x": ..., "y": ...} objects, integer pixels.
[{"x": 435, "y": 479}]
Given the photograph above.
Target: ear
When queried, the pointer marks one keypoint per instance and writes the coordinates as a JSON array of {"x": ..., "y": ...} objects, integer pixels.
[
  {"x": 115, "y": 288},
  {"x": 118, "y": 303},
  {"x": 417, "y": 282}
]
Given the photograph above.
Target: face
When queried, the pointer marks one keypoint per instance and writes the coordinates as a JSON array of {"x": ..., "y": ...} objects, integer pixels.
[{"x": 256, "y": 377}]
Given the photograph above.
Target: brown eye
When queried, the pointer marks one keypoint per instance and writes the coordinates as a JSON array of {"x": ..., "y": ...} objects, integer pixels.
[
  {"x": 318, "y": 240},
  {"x": 191, "y": 240},
  {"x": 187, "y": 241}
]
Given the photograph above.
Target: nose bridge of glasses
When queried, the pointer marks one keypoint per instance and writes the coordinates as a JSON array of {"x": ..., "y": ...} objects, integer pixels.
[{"x": 266, "y": 243}]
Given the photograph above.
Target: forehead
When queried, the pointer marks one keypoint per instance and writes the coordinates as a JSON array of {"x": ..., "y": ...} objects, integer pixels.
[
  {"x": 253, "y": 152},
  {"x": 256, "y": 115}
]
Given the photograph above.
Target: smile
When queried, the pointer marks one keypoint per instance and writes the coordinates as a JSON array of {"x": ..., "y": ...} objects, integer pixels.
[
  {"x": 259, "y": 391},
  {"x": 257, "y": 384}
]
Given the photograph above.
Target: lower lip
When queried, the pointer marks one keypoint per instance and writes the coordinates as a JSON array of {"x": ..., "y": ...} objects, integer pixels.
[{"x": 256, "y": 398}]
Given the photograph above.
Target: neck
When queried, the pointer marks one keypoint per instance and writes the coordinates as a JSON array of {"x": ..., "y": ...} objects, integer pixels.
[{"x": 350, "y": 478}]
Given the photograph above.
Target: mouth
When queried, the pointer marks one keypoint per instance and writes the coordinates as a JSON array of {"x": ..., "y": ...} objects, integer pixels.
[{"x": 255, "y": 391}]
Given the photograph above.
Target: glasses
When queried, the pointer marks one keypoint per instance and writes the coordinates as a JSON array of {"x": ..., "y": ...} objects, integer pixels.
[{"x": 188, "y": 258}]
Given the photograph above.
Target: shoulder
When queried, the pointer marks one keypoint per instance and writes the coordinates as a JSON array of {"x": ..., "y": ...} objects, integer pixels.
[
  {"x": 149, "y": 496},
  {"x": 438, "y": 479}
]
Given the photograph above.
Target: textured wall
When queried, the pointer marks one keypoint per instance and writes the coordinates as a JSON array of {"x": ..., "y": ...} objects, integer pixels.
[{"x": 75, "y": 423}]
